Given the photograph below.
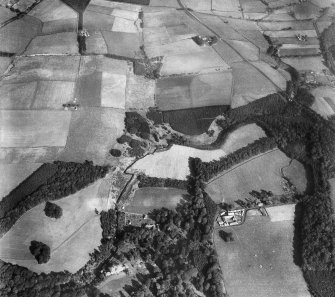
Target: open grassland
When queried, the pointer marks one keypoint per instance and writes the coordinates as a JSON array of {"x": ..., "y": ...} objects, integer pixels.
[
  {"x": 173, "y": 163},
  {"x": 59, "y": 26},
  {"x": 324, "y": 103},
  {"x": 259, "y": 262},
  {"x": 66, "y": 237},
  {"x": 13, "y": 174},
  {"x": 148, "y": 199},
  {"x": 260, "y": 172},
  {"x": 194, "y": 91},
  {"x": 32, "y": 128},
  {"x": 92, "y": 133}
]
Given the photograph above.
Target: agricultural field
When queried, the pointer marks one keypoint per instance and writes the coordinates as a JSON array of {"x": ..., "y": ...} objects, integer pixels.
[
  {"x": 260, "y": 172},
  {"x": 313, "y": 63},
  {"x": 324, "y": 103},
  {"x": 281, "y": 212},
  {"x": 194, "y": 91},
  {"x": 147, "y": 199},
  {"x": 259, "y": 262},
  {"x": 66, "y": 236}
]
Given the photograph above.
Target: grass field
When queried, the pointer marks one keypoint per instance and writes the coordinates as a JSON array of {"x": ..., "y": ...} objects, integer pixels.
[
  {"x": 148, "y": 199},
  {"x": 259, "y": 262},
  {"x": 4, "y": 63},
  {"x": 92, "y": 133},
  {"x": 14, "y": 174},
  {"x": 194, "y": 91},
  {"x": 260, "y": 172},
  {"x": 94, "y": 21},
  {"x": 66, "y": 237},
  {"x": 95, "y": 44},
  {"x": 59, "y": 26},
  {"x": 248, "y": 50},
  {"x": 281, "y": 212},
  {"x": 193, "y": 63},
  {"x": 226, "y": 5},
  {"x": 23, "y": 128}
]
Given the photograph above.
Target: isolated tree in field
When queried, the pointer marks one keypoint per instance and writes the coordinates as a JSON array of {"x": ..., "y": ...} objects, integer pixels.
[
  {"x": 53, "y": 210},
  {"x": 40, "y": 251}
]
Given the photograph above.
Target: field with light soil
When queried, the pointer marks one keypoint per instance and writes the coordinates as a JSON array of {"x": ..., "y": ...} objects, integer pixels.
[
  {"x": 66, "y": 236},
  {"x": 324, "y": 103}
]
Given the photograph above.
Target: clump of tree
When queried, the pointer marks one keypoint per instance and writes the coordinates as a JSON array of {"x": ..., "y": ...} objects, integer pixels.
[
  {"x": 137, "y": 125},
  {"x": 115, "y": 152},
  {"x": 40, "y": 251},
  {"x": 108, "y": 221},
  {"x": 53, "y": 210},
  {"x": 147, "y": 181},
  {"x": 226, "y": 236}
]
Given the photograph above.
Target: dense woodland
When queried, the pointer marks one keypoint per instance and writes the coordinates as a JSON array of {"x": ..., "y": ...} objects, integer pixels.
[{"x": 148, "y": 181}]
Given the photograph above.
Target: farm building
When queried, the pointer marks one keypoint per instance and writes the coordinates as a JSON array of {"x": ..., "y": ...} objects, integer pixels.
[{"x": 231, "y": 218}]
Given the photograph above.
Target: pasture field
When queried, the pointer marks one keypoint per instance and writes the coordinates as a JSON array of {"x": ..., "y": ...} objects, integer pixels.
[
  {"x": 6, "y": 14},
  {"x": 306, "y": 63},
  {"x": 306, "y": 10},
  {"x": 93, "y": 131},
  {"x": 124, "y": 25},
  {"x": 113, "y": 88},
  {"x": 29, "y": 154},
  {"x": 279, "y": 17},
  {"x": 324, "y": 103},
  {"x": 259, "y": 262},
  {"x": 43, "y": 68},
  {"x": 207, "y": 61},
  {"x": 204, "y": 5},
  {"x": 106, "y": 5},
  {"x": 60, "y": 43},
  {"x": 14, "y": 174},
  {"x": 253, "y": 7},
  {"x": 140, "y": 92},
  {"x": 257, "y": 173},
  {"x": 66, "y": 237},
  {"x": 122, "y": 44},
  {"x": 227, "y": 53},
  {"x": 166, "y": 3},
  {"x": 209, "y": 89},
  {"x": 147, "y": 199},
  {"x": 51, "y": 10},
  {"x": 32, "y": 128},
  {"x": 59, "y": 26},
  {"x": 24, "y": 30}
]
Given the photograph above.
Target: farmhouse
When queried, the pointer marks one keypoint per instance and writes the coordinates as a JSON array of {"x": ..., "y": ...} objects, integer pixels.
[{"x": 231, "y": 218}]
